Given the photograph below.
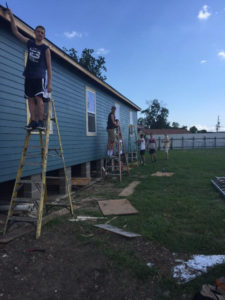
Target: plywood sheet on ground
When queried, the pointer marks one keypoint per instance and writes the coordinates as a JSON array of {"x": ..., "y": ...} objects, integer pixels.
[
  {"x": 127, "y": 191},
  {"x": 161, "y": 174},
  {"x": 116, "y": 207},
  {"x": 117, "y": 230}
]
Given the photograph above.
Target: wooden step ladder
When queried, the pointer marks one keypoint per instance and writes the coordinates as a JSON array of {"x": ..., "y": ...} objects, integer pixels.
[
  {"x": 117, "y": 164},
  {"x": 132, "y": 144},
  {"x": 41, "y": 202}
]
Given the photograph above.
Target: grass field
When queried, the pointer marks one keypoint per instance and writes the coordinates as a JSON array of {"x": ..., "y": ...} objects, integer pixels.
[{"x": 184, "y": 212}]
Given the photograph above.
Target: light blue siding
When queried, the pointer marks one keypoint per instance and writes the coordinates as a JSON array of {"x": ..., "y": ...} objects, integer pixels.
[{"x": 69, "y": 96}]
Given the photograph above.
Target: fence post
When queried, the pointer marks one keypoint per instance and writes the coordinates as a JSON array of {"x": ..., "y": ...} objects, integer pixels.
[
  {"x": 159, "y": 146},
  {"x": 182, "y": 142},
  {"x": 171, "y": 144},
  {"x": 215, "y": 141},
  {"x": 193, "y": 143},
  {"x": 205, "y": 141}
]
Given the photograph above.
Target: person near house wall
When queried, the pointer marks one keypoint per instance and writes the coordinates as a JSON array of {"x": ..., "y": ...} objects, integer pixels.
[{"x": 37, "y": 73}]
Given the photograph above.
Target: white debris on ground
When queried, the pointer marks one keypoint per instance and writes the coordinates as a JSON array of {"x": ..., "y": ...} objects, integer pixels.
[
  {"x": 85, "y": 218},
  {"x": 195, "y": 266}
]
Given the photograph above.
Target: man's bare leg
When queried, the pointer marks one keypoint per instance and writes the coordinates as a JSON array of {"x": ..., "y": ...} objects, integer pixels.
[
  {"x": 40, "y": 107},
  {"x": 32, "y": 105}
]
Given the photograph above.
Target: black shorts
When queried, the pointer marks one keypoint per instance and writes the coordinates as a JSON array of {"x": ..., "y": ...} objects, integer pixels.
[
  {"x": 35, "y": 87},
  {"x": 142, "y": 152},
  {"x": 152, "y": 151}
]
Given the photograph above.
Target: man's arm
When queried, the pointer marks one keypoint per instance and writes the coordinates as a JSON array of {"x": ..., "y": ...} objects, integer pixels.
[
  {"x": 14, "y": 28},
  {"x": 49, "y": 69}
]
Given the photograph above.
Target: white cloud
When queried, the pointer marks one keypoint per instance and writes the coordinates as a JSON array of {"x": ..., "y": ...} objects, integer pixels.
[
  {"x": 204, "y": 14},
  {"x": 203, "y": 61},
  {"x": 102, "y": 51},
  {"x": 72, "y": 34},
  {"x": 221, "y": 54}
]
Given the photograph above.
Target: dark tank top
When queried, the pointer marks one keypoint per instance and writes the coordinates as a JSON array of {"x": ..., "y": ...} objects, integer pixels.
[{"x": 36, "y": 62}]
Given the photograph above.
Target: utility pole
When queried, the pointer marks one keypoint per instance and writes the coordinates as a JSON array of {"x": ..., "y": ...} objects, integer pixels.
[{"x": 218, "y": 124}]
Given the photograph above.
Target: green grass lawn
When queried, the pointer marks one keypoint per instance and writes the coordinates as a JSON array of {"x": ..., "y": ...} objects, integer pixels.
[{"x": 184, "y": 212}]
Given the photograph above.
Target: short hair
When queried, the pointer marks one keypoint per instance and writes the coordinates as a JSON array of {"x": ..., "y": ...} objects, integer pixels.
[
  {"x": 40, "y": 26},
  {"x": 142, "y": 135},
  {"x": 113, "y": 107}
]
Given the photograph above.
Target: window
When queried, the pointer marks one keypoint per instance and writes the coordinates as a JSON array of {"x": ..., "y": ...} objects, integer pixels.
[
  {"x": 131, "y": 118},
  {"x": 90, "y": 112},
  {"x": 117, "y": 113}
]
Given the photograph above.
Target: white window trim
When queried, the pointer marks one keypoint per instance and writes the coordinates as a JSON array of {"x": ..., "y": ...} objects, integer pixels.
[{"x": 87, "y": 132}]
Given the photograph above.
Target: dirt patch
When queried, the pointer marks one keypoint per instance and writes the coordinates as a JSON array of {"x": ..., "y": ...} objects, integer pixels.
[
  {"x": 75, "y": 260},
  {"x": 70, "y": 268}
]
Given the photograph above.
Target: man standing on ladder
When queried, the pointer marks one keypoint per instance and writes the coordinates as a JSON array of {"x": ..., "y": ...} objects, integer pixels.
[
  {"x": 111, "y": 125},
  {"x": 38, "y": 73}
]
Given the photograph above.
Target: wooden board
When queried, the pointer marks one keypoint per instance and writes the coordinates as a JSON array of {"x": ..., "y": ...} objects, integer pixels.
[
  {"x": 116, "y": 207},
  {"x": 127, "y": 191},
  {"x": 75, "y": 181},
  {"x": 118, "y": 230},
  {"x": 81, "y": 181},
  {"x": 161, "y": 174}
]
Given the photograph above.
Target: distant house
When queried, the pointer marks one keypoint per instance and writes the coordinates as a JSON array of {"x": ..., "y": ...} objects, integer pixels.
[
  {"x": 159, "y": 132},
  {"x": 83, "y": 132}
]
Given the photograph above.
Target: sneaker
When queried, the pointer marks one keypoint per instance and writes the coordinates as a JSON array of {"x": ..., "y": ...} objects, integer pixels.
[
  {"x": 31, "y": 126},
  {"x": 40, "y": 125}
]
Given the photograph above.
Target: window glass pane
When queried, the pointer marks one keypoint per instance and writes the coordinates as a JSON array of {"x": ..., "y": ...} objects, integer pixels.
[
  {"x": 91, "y": 122},
  {"x": 131, "y": 118},
  {"x": 90, "y": 102},
  {"x": 117, "y": 113}
]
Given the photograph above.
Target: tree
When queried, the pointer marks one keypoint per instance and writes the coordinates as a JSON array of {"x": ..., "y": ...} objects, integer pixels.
[
  {"x": 175, "y": 125},
  {"x": 193, "y": 129},
  {"x": 155, "y": 116},
  {"x": 94, "y": 65},
  {"x": 202, "y": 131}
]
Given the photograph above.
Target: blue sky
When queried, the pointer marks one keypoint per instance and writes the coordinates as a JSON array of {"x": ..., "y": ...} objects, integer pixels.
[{"x": 173, "y": 51}]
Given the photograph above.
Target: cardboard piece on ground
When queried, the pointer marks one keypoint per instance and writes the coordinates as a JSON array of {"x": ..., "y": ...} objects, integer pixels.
[
  {"x": 116, "y": 207},
  {"x": 117, "y": 230},
  {"x": 127, "y": 191},
  {"x": 161, "y": 174}
]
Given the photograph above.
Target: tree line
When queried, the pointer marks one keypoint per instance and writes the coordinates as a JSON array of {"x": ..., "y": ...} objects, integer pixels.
[{"x": 156, "y": 117}]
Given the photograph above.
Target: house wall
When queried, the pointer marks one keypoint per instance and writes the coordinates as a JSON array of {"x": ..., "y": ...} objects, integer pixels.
[{"x": 69, "y": 96}]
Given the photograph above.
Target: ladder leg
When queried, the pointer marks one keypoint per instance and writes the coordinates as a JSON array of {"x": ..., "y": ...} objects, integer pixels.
[
  {"x": 63, "y": 160},
  {"x": 43, "y": 175},
  {"x": 18, "y": 176},
  {"x": 42, "y": 155}
]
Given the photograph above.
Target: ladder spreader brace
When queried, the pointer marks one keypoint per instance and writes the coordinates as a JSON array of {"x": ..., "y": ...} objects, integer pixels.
[{"x": 11, "y": 218}]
